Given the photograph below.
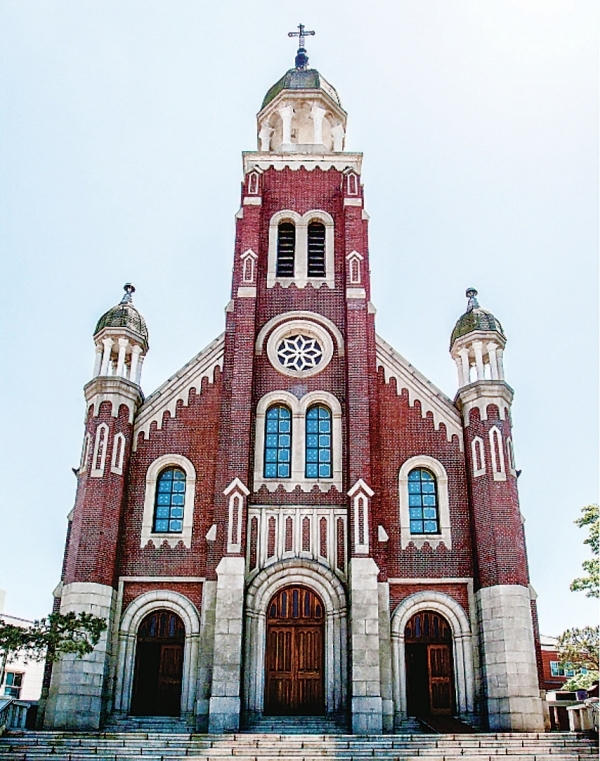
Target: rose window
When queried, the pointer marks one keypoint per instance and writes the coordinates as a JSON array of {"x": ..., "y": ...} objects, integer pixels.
[{"x": 299, "y": 353}]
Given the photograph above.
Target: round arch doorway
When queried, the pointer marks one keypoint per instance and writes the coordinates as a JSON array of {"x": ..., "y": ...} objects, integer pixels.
[
  {"x": 294, "y": 662},
  {"x": 158, "y": 665},
  {"x": 429, "y": 667}
]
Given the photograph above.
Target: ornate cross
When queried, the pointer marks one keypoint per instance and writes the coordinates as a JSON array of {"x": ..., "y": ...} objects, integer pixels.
[{"x": 301, "y": 34}]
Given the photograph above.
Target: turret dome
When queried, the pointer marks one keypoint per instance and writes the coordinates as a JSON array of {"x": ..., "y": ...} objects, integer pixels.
[
  {"x": 474, "y": 319},
  {"x": 125, "y": 315},
  {"x": 301, "y": 79}
]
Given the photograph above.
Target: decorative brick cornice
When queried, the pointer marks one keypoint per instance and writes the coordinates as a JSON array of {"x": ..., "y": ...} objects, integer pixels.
[
  {"x": 481, "y": 395},
  {"x": 419, "y": 388},
  {"x": 178, "y": 388},
  {"x": 308, "y": 161},
  {"x": 115, "y": 390}
]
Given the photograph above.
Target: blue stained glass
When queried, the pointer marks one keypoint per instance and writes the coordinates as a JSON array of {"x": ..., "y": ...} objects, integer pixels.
[
  {"x": 318, "y": 447},
  {"x": 278, "y": 442},
  {"x": 169, "y": 501},
  {"x": 422, "y": 501}
]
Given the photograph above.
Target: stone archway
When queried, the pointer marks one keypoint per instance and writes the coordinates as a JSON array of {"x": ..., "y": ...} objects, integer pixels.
[
  {"x": 462, "y": 648},
  {"x": 135, "y": 613},
  {"x": 329, "y": 589}
]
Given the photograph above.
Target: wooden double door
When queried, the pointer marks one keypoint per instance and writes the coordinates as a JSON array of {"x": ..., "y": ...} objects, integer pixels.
[
  {"x": 158, "y": 665},
  {"x": 294, "y": 683},
  {"x": 429, "y": 667}
]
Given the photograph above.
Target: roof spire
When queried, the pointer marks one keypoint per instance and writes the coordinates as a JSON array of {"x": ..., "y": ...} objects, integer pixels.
[
  {"x": 472, "y": 303},
  {"x": 301, "y": 57},
  {"x": 129, "y": 291}
]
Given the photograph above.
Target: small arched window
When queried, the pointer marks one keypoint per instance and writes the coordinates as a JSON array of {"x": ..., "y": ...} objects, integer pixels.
[
  {"x": 318, "y": 442},
  {"x": 422, "y": 502},
  {"x": 169, "y": 502},
  {"x": 286, "y": 249},
  {"x": 278, "y": 442},
  {"x": 316, "y": 249}
]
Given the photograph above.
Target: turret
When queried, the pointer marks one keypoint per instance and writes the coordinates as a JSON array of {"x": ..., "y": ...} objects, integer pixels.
[
  {"x": 90, "y": 573},
  {"x": 502, "y": 597}
]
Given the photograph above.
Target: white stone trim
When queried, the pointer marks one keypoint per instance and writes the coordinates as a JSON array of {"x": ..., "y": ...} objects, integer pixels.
[
  {"x": 478, "y": 456},
  {"x": 354, "y": 272},
  {"x": 462, "y": 645},
  {"x": 85, "y": 453},
  {"x": 246, "y": 292},
  {"x": 353, "y": 202},
  {"x": 481, "y": 395},
  {"x": 100, "y": 449},
  {"x": 252, "y": 201},
  {"x": 356, "y": 293},
  {"x": 301, "y": 279},
  {"x": 510, "y": 452},
  {"x": 301, "y": 327},
  {"x": 432, "y": 400},
  {"x": 279, "y": 161},
  {"x": 360, "y": 495},
  {"x": 299, "y": 408},
  {"x": 118, "y": 454},
  {"x": 497, "y": 452},
  {"x": 441, "y": 477},
  {"x": 127, "y": 644},
  {"x": 156, "y": 539},
  {"x": 248, "y": 266},
  {"x": 237, "y": 493},
  {"x": 178, "y": 388},
  {"x": 331, "y": 591},
  {"x": 299, "y": 315}
]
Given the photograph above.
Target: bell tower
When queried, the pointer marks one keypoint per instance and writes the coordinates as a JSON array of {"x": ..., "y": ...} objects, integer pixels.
[{"x": 503, "y": 598}]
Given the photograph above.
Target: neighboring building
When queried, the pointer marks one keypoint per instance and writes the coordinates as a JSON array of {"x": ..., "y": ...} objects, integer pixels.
[
  {"x": 19, "y": 678},
  {"x": 298, "y": 522}
]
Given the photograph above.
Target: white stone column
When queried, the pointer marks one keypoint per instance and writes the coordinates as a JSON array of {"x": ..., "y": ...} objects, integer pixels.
[
  {"x": 108, "y": 344},
  {"x": 138, "y": 375},
  {"x": 478, "y": 350},
  {"x": 135, "y": 358},
  {"x": 123, "y": 344},
  {"x": 508, "y": 662},
  {"x": 225, "y": 700},
  {"x": 385, "y": 657},
  {"x": 76, "y": 697},
  {"x": 286, "y": 113},
  {"x": 466, "y": 367},
  {"x": 491, "y": 349},
  {"x": 500, "y": 360},
  {"x": 205, "y": 655},
  {"x": 317, "y": 114},
  {"x": 337, "y": 133},
  {"x": 98, "y": 361},
  {"x": 365, "y": 672},
  {"x": 265, "y": 137}
]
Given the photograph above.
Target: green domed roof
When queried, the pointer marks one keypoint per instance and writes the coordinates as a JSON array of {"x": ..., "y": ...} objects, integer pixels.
[
  {"x": 301, "y": 79},
  {"x": 475, "y": 318},
  {"x": 125, "y": 315}
]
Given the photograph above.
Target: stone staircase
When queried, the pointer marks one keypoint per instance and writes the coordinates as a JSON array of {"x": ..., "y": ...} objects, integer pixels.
[
  {"x": 155, "y": 746},
  {"x": 154, "y": 724},
  {"x": 299, "y": 725}
]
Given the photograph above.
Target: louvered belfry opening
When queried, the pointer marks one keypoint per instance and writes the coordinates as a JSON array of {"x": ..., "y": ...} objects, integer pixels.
[
  {"x": 286, "y": 249},
  {"x": 316, "y": 249}
]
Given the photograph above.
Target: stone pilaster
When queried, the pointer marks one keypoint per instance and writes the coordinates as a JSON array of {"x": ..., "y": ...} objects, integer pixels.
[
  {"x": 225, "y": 701},
  {"x": 364, "y": 647}
]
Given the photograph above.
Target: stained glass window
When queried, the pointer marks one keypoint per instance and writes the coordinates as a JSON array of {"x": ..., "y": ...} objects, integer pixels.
[
  {"x": 169, "y": 502},
  {"x": 278, "y": 442},
  {"x": 318, "y": 442},
  {"x": 422, "y": 502}
]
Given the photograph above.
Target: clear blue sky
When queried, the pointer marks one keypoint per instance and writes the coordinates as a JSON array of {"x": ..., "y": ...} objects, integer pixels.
[{"x": 120, "y": 138}]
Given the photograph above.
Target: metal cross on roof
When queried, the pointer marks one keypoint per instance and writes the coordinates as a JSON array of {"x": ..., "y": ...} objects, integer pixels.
[{"x": 301, "y": 34}]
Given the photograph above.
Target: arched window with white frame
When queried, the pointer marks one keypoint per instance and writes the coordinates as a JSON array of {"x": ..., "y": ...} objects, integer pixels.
[
  {"x": 100, "y": 447},
  {"x": 118, "y": 454},
  {"x": 478, "y": 456},
  {"x": 424, "y": 503},
  {"x": 286, "y": 249},
  {"x": 497, "y": 452},
  {"x": 169, "y": 501}
]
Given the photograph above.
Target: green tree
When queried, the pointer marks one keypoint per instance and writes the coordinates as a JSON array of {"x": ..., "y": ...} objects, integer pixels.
[
  {"x": 578, "y": 649},
  {"x": 590, "y": 583},
  {"x": 52, "y": 637}
]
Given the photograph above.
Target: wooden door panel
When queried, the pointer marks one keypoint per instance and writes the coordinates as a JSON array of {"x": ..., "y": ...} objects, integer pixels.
[
  {"x": 169, "y": 679},
  {"x": 440, "y": 679}
]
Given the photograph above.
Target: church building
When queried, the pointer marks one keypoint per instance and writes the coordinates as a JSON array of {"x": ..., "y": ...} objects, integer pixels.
[{"x": 299, "y": 523}]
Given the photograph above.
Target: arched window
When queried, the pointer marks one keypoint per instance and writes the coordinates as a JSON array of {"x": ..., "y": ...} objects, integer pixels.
[
  {"x": 169, "y": 501},
  {"x": 316, "y": 249},
  {"x": 318, "y": 442},
  {"x": 422, "y": 502},
  {"x": 278, "y": 442},
  {"x": 286, "y": 249}
]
